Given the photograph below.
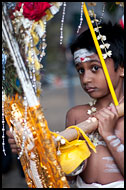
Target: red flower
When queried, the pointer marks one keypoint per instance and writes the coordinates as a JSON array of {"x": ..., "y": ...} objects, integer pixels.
[{"x": 33, "y": 10}]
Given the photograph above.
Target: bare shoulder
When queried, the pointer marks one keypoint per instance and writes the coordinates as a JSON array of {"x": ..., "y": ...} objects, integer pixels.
[{"x": 76, "y": 115}]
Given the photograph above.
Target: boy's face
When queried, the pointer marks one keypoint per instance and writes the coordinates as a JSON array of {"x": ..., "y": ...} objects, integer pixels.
[{"x": 92, "y": 76}]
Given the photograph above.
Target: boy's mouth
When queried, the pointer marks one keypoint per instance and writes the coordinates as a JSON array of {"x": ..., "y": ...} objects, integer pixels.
[{"x": 90, "y": 89}]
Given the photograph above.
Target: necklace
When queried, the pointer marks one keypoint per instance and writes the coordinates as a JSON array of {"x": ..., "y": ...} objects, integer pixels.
[
  {"x": 94, "y": 136},
  {"x": 93, "y": 109},
  {"x": 92, "y": 104}
]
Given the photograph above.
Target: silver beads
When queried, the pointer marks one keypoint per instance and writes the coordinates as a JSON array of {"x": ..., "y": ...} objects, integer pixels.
[
  {"x": 3, "y": 122},
  {"x": 62, "y": 23},
  {"x": 81, "y": 17},
  {"x": 4, "y": 59},
  {"x": 43, "y": 43},
  {"x": 103, "y": 10}
]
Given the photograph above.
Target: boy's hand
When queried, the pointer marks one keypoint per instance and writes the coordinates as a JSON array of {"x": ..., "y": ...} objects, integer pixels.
[
  {"x": 12, "y": 142},
  {"x": 107, "y": 118}
]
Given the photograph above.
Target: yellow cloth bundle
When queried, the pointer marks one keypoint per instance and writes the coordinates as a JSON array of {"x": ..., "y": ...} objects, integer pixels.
[{"x": 73, "y": 153}]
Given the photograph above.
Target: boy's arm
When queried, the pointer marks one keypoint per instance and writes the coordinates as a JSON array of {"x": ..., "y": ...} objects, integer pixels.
[
  {"x": 70, "y": 118},
  {"x": 116, "y": 147},
  {"x": 108, "y": 119}
]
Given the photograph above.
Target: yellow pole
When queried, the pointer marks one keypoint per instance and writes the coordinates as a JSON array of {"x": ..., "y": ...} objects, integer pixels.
[{"x": 100, "y": 55}]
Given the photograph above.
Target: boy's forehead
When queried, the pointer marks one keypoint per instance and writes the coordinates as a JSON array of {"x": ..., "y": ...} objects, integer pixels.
[{"x": 84, "y": 55}]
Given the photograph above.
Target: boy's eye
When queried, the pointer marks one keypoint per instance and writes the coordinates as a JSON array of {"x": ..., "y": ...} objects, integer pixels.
[
  {"x": 95, "y": 68},
  {"x": 81, "y": 71}
]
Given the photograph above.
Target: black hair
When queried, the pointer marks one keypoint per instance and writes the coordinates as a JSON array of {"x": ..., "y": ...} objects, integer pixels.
[{"x": 114, "y": 36}]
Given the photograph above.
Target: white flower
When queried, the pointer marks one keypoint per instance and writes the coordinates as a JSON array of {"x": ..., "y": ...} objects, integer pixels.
[
  {"x": 101, "y": 37},
  {"x": 103, "y": 46},
  {"x": 89, "y": 112},
  {"x": 93, "y": 109},
  {"x": 94, "y": 101},
  {"x": 91, "y": 103},
  {"x": 96, "y": 29},
  {"x": 104, "y": 56},
  {"x": 107, "y": 45},
  {"x": 109, "y": 53}
]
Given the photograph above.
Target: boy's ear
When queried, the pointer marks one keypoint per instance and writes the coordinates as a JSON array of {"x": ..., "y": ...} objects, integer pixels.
[{"x": 121, "y": 71}]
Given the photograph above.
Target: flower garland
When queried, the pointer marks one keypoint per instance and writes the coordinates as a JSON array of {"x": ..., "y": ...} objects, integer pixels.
[
  {"x": 101, "y": 38},
  {"x": 29, "y": 24}
]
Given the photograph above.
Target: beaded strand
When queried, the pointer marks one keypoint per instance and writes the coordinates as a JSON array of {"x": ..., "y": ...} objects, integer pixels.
[
  {"x": 4, "y": 59},
  {"x": 81, "y": 17},
  {"x": 103, "y": 10},
  {"x": 43, "y": 43},
  {"x": 3, "y": 122},
  {"x": 62, "y": 23}
]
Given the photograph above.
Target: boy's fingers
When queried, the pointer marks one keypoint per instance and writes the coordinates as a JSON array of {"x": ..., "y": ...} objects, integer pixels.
[
  {"x": 13, "y": 146},
  {"x": 15, "y": 151},
  {"x": 9, "y": 134},
  {"x": 11, "y": 141}
]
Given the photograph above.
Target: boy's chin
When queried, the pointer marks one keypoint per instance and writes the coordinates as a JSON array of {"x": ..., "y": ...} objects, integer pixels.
[{"x": 94, "y": 96}]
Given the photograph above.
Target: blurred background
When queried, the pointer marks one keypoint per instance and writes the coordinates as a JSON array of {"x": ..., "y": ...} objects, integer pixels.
[{"x": 61, "y": 88}]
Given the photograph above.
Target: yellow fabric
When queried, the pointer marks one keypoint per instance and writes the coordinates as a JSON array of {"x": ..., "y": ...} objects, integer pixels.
[
  {"x": 48, "y": 15},
  {"x": 72, "y": 155},
  {"x": 75, "y": 152},
  {"x": 34, "y": 35},
  {"x": 85, "y": 136}
]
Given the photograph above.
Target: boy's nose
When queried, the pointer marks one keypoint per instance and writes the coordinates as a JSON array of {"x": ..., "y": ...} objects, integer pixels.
[{"x": 86, "y": 78}]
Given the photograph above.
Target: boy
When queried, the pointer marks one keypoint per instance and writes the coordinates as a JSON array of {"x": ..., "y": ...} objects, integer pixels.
[{"x": 106, "y": 167}]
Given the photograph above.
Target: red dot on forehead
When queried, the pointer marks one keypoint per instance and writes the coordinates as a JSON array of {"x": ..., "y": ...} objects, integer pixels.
[{"x": 82, "y": 58}]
